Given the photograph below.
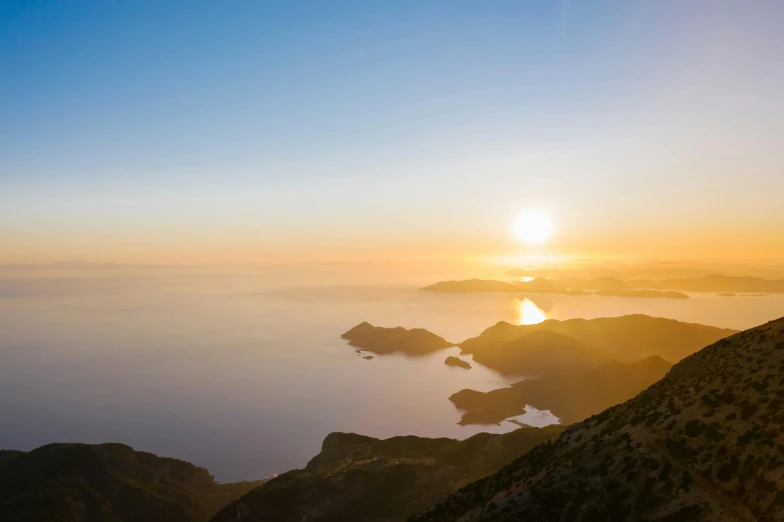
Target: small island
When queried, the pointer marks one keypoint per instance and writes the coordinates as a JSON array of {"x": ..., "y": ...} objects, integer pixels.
[
  {"x": 382, "y": 341},
  {"x": 457, "y": 361}
]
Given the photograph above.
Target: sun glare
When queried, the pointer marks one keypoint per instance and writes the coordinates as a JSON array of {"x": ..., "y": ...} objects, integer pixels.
[
  {"x": 529, "y": 313},
  {"x": 533, "y": 227}
]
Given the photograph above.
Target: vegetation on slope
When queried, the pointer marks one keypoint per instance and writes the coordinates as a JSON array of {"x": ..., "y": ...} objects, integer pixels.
[
  {"x": 571, "y": 397},
  {"x": 704, "y": 443},
  {"x": 362, "y": 479},
  {"x": 107, "y": 482}
]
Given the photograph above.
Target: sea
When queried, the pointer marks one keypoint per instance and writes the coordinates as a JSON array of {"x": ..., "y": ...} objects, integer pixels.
[{"x": 243, "y": 371}]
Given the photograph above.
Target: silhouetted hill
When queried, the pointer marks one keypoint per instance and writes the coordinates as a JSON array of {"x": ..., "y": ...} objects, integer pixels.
[
  {"x": 704, "y": 443},
  {"x": 376, "y": 339},
  {"x": 571, "y": 397},
  {"x": 626, "y": 338},
  {"x": 540, "y": 352},
  {"x": 107, "y": 482},
  {"x": 361, "y": 479}
]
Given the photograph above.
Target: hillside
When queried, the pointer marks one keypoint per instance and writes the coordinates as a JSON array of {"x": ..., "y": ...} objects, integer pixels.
[
  {"x": 626, "y": 338},
  {"x": 107, "y": 482},
  {"x": 571, "y": 397},
  {"x": 362, "y": 479},
  {"x": 704, "y": 443},
  {"x": 379, "y": 340},
  {"x": 540, "y": 352}
]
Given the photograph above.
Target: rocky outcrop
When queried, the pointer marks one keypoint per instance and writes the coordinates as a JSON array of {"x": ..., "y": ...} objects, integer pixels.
[{"x": 457, "y": 362}]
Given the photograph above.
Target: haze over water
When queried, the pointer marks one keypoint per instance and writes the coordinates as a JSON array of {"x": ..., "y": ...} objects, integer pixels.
[{"x": 244, "y": 372}]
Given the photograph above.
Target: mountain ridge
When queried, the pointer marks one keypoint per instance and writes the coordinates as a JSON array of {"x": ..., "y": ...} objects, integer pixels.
[
  {"x": 356, "y": 478},
  {"x": 111, "y": 481}
]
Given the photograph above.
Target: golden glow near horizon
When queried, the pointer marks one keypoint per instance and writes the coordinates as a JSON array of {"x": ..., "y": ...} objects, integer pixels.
[
  {"x": 530, "y": 313},
  {"x": 533, "y": 227}
]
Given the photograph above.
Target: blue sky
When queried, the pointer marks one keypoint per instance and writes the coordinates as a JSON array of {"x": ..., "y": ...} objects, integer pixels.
[{"x": 360, "y": 123}]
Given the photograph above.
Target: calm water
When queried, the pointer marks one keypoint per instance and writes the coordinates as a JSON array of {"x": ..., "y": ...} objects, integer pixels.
[{"x": 245, "y": 373}]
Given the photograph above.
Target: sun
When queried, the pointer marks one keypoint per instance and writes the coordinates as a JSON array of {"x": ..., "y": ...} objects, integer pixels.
[{"x": 533, "y": 227}]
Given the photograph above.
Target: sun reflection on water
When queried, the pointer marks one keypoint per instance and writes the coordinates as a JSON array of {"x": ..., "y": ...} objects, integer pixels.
[{"x": 530, "y": 313}]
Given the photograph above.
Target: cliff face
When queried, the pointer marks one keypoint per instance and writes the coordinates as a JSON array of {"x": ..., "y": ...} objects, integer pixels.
[
  {"x": 704, "y": 443},
  {"x": 358, "y": 478},
  {"x": 107, "y": 482}
]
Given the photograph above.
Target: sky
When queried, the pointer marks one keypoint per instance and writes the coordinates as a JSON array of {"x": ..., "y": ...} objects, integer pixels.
[{"x": 212, "y": 132}]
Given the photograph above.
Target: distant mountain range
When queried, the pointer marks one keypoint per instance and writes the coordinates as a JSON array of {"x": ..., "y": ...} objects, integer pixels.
[{"x": 666, "y": 288}]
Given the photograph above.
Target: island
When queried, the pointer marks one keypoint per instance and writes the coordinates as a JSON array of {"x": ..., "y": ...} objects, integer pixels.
[
  {"x": 472, "y": 285},
  {"x": 670, "y": 294},
  {"x": 578, "y": 286},
  {"x": 539, "y": 285},
  {"x": 457, "y": 361},
  {"x": 383, "y": 341}
]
